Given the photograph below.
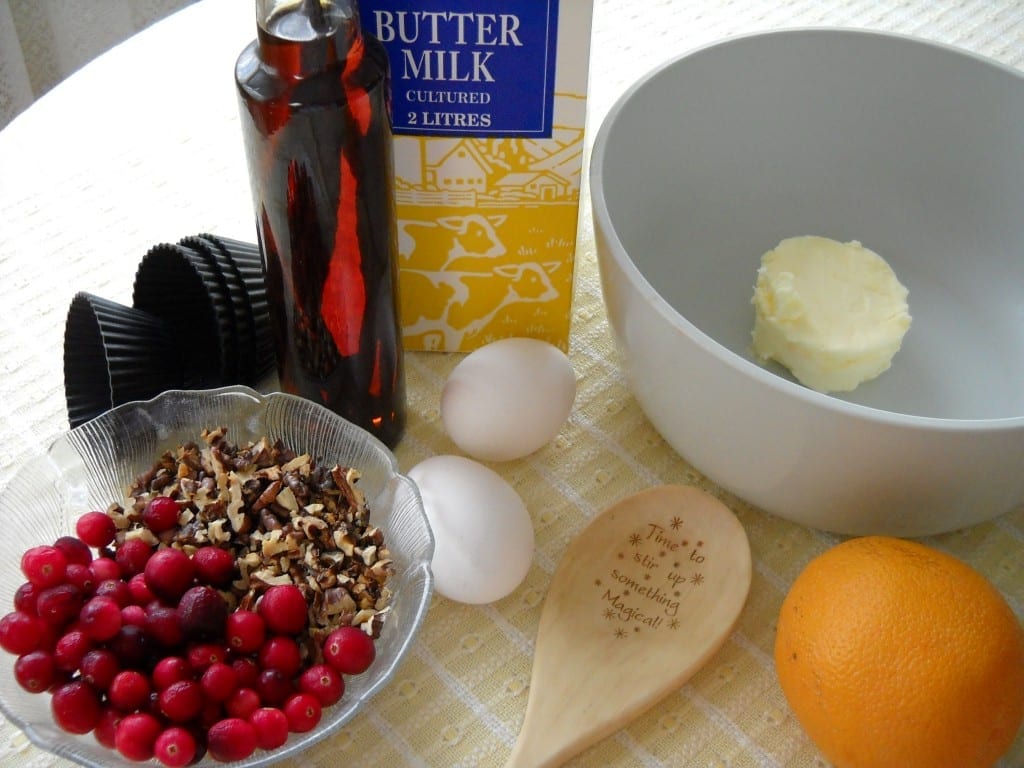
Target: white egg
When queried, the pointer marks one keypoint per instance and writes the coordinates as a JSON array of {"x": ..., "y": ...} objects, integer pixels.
[
  {"x": 508, "y": 399},
  {"x": 483, "y": 535}
]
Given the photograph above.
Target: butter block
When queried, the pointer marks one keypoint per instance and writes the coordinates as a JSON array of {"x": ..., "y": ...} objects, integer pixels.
[{"x": 833, "y": 313}]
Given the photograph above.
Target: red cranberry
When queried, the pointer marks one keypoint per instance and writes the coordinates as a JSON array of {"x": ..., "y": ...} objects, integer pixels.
[
  {"x": 25, "y": 598},
  {"x": 136, "y": 735},
  {"x": 284, "y": 609},
  {"x": 96, "y": 529},
  {"x": 214, "y": 566},
  {"x": 48, "y": 636},
  {"x": 60, "y": 604},
  {"x": 281, "y": 653},
  {"x": 349, "y": 650},
  {"x": 139, "y": 590},
  {"x": 202, "y": 655},
  {"x": 81, "y": 576},
  {"x": 169, "y": 572},
  {"x": 163, "y": 626},
  {"x": 99, "y": 667},
  {"x": 132, "y": 556},
  {"x": 202, "y": 613},
  {"x": 231, "y": 739},
  {"x": 324, "y": 682},
  {"x": 303, "y": 711},
  {"x": 76, "y": 707},
  {"x": 247, "y": 671},
  {"x": 175, "y": 747},
  {"x": 19, "y": 633},
  {"x": 75, "y": 550},
  {"x": 134, "y": 615},
  {"x": 44, "y": 566},
  {"x": 242, "y": 703},
  {"x": 181, "y": 701},
  {"x": 245, "y": 631},
  {"x": 169, "y": 670},
  {"x": 128, "y": 691},
  {"x": 160, "y": 514},
  {"x": 71, "y": 649},
  {"x": 106, "y": 728},
  {"x": 271, "y": 726},
  {"x": 35, "y": 671},
  {"x": 104, "y": 569},
  {"x": 219, "y": 681},
  {"x": 116, "y": 590},
  {"x": 274, "y": 687},
  {"x": 101, "y": 618},
  {"x": 132, "y": 646}
]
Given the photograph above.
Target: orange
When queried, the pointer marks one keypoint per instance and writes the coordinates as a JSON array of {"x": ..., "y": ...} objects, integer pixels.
[{"x": 893, "y": 654}]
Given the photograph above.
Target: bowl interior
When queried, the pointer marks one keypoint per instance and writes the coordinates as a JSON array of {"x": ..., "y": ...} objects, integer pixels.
[
  {"x": 90, "y": 467},
  {"x": 912, "y": 148}
]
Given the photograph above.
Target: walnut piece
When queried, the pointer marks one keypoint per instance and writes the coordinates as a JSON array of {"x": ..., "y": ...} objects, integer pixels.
[{"x": 285, "y": 519}]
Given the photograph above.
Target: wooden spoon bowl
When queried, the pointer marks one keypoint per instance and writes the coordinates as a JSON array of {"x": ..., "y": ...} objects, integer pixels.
[{"x": 640, "y": 601}]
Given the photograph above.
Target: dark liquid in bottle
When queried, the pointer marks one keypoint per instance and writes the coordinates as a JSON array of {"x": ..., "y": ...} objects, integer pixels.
[{"x": 314, "y": 109}]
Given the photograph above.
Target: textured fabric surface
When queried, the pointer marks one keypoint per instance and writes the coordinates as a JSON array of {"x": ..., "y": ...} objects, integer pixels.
[{"x": 142, "y": 146}]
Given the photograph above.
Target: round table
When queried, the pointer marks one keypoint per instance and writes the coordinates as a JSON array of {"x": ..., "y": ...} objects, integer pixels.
[{"x": 142, "y": 146}]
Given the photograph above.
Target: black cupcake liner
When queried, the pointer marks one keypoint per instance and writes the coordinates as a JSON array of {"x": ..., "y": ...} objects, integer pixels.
[
  {"x": 199, "y": 319},
  {"x": 248, "y": 266},
  {"x": 223, "y": 307},
  {"x": 236, "y": 300},
  {"x": 114, "y": 354},
  {"x": 177, "y": 287}
]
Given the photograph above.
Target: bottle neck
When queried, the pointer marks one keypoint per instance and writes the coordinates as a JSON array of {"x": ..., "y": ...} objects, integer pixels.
[{"x": 301, "y": 37}]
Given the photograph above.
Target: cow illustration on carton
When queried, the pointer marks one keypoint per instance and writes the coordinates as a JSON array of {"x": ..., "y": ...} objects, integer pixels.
[
  {"x": 452, "y": 303},
  {"x": 486, "y": 238}
]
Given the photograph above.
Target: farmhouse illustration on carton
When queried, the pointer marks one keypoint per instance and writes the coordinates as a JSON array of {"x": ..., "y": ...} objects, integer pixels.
[{"x": 486, "y": 230}]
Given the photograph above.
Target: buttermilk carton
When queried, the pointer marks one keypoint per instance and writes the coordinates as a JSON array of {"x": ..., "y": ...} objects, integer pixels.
[{"x": 489, "y": 107}]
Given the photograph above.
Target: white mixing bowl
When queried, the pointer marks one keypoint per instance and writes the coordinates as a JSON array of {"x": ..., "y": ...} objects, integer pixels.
[{"x": 911, "y": 147}]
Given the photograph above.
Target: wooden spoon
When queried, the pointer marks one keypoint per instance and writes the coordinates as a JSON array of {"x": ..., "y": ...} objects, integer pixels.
[{"x": 642, "y": 598}]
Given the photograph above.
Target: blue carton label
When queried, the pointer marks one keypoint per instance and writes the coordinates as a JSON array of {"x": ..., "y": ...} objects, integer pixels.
[{"x": 466, "y": 67}]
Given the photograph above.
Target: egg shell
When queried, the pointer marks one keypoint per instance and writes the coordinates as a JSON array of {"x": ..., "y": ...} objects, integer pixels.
[
  {"x": 508, "y": 398},
  {"x": 483, "y": 535}
]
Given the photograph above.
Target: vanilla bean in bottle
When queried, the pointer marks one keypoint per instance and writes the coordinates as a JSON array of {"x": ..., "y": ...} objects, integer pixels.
[{"x": 314, "y": 100}]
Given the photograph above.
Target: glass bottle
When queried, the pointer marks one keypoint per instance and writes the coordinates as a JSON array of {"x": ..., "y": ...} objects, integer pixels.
[{"x": 314, "y": 97}]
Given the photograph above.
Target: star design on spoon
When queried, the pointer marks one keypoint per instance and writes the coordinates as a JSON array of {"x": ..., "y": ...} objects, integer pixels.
[
  {"x": 620, "y": 633},
  {"x": 635, "y": 539},
  {"x": 676, "y": 523},
  {"x": 697, "y": 579}
]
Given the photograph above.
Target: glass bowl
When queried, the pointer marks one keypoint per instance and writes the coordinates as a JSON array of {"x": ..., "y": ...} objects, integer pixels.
[{"x": 92, "y": 465}]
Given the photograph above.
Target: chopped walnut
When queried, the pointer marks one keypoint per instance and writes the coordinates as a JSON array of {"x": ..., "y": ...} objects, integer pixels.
[{"x": 285, "y": 519}]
